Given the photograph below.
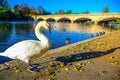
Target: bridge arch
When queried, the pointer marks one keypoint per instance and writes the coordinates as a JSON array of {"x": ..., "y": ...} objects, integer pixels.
[
  {"x": 64, "y": 20},
  {"x": 50, "y": 19},
  {"x": 40, "y": 19},
  {"x": 82, "y": 20},
  {"x": 107, "y": 20}
]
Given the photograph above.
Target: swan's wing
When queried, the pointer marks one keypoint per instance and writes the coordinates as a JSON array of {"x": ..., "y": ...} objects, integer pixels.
[{"x": 24, "y": 49}]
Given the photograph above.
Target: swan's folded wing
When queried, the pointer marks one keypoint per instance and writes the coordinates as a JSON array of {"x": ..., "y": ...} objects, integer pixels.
[{"x": 25, "y": 48}]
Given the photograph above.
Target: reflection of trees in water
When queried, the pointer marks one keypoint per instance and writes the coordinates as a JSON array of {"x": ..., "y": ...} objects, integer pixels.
[
  {"x": 5, "y": 31},
  {"x": 23, "y": 29}
]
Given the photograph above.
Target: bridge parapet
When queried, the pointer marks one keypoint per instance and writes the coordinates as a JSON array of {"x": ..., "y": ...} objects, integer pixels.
[{"x": 93, "y": 17}]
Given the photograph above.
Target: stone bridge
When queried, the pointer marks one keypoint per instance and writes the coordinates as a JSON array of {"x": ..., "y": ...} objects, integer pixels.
[{"x": 79, "y": 17}]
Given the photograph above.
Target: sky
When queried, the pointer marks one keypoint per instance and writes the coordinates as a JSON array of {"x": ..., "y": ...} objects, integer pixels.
[{"x": 77, "y": 6}]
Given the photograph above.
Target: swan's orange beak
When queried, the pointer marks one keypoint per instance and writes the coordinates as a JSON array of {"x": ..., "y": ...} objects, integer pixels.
[{"x": 49, "y": 29}]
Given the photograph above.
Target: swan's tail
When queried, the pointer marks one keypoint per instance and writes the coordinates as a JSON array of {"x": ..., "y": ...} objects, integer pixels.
[
  {"x": 4, "y": 58},
  {"x": 2, "y": 54}
]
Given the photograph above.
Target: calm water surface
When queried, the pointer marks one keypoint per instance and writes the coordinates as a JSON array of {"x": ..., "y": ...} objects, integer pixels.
[{"x": 13, "y": 32}]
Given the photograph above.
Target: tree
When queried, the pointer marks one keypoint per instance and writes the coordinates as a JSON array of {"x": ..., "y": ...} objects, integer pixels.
[
  {"x": 4, "y": 5},
  {"x": 17, "y": 12},
  {"x": 86, "y": 12},
  {"x": 105, "y": 10},
  {"x": 4, "y": 10},
  {"x": 25, "y": 10},
  {"x": 69, "y": 12},
  {"x": 16, "y": 9},
  {"x": 40, "y": 10},
  {"x": 60, "y": 12},
  {"x": 47, "y": 13},
  {"x": 22, "y": 12},
  {"x": 32, "y": 11}
]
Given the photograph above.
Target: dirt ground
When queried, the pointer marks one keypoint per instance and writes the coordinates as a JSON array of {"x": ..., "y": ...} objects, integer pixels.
[{"x": 94, "y": 59}]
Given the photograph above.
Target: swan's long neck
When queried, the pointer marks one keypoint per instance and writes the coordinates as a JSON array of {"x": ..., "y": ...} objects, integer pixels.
[{"x": 44, "y": 40}]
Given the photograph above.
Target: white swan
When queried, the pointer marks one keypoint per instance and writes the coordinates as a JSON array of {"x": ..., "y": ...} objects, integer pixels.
[{"x": 24, "y": 50}]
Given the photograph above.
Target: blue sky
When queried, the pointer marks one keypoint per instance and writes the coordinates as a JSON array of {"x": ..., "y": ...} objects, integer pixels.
[{"x": 77, "y": 6}]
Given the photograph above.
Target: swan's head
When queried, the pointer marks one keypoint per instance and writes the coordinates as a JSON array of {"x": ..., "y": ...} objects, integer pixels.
[{"x": 46, "y": 25}]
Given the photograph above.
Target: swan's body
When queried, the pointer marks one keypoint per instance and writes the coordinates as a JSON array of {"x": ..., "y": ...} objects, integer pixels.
[{"x": 24, "y": 50}]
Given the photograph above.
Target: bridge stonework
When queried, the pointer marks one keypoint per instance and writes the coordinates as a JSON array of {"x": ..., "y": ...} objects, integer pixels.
[{"x": 93, "y": 17}]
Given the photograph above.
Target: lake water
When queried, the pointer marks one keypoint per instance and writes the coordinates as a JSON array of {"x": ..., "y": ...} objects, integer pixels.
[{"x": 13, "y": 32}]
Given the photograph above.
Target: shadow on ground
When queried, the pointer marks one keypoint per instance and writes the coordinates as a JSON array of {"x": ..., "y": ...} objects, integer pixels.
[{"x": 84, "y": 56}]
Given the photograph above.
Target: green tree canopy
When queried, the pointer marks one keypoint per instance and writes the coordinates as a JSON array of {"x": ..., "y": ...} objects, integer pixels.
[
  {"x": 16, "y": 8},
  {"x": 63, "y": 12},
  {"x": 25, "y": 10},
  {"x": 40, "y": 10},
  {"x": 105, "y": 10},
  {"x": 32, "y": 11},
  {"x": 60, "y": 12},
  {"x": 86, "y": 12},
  {"x": 4, "y": 5},
  {"x": 19, "y": 12},
  {"x": 69, "y": 12}
]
